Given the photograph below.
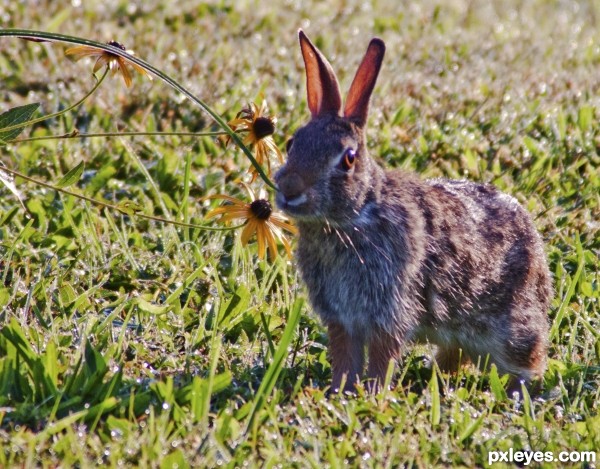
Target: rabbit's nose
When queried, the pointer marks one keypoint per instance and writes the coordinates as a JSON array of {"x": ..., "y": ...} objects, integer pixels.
[
  {"x": 291, "y": 191},
  {"x": 290, "y": 185}
]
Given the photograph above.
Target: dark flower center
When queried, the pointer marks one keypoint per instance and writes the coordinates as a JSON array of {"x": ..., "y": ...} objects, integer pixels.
[
  {"x": 263, "y": 127},
  {"x": 261, "y": 209},
  {"x": 116, "y": 44}
]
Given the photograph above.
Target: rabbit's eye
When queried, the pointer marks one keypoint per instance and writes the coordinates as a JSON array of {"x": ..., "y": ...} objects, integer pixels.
[
  {"x": 289, "y": 144},
  {"x": 349, "y": 159}
]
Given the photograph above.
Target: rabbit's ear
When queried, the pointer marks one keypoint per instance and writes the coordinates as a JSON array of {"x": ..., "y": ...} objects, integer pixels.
[
  {"x": 321, "y": 84},
  {"x": 357, "y": 103}
]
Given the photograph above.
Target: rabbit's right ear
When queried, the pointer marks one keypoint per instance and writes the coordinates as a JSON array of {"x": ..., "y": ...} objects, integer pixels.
[
  {"x": 357, "y": 102},
  {"x": 323, "y": 91}
]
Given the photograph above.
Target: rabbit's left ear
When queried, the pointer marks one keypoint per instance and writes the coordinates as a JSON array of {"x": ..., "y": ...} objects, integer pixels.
[
  {"x": 357, "y": 102},
  {"x": 322, "y": 87}
]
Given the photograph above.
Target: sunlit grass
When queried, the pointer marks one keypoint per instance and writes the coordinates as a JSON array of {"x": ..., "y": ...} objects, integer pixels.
[{"x": 130, "y": 341}]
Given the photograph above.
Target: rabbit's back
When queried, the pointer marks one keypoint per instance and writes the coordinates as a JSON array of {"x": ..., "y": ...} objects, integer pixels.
[
  {"x": 488, "y": 286},
  {"x": 485, "y": 249}
]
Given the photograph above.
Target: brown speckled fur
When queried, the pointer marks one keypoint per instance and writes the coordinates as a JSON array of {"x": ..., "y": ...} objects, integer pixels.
[{"x": 389, "y": 258}]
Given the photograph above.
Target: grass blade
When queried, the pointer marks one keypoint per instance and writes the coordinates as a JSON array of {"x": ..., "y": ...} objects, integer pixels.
[
  {"x": 72, "y": 176},
  {"x": 570, "y": 291},
  {"x": 270, "y": 378},
  {"x": 435, "y": 414}
]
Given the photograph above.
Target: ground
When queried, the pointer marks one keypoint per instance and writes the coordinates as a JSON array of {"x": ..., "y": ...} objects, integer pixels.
[{"x": 133, "y": 342}]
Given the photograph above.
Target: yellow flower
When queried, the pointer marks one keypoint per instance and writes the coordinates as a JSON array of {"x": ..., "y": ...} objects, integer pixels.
[
  {"x": 260, "y": 129},
  {"x": 116, "y": 63},
  {"x": 260, "y": 219}
]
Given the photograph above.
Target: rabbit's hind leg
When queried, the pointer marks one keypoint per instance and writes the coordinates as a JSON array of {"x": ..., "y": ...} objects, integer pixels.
[
  {"x": 450, "y": 359},
  {"x": 521, "y": 354},
  {"x": 525, "y": 361}
]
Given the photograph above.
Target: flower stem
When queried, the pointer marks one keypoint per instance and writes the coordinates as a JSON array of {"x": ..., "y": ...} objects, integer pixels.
[
  {"x": 76, "y": 134},
  {"x": 122, "y": 210},
  {"x": 59, "y": 113},
  {"x": 42, "y": 35}
]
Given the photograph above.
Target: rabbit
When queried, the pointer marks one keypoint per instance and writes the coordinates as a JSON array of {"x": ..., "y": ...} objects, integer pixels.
[{"x": 390, "y": 259}]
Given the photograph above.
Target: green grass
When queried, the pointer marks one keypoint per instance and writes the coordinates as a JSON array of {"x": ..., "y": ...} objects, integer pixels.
[{"x": 130, "y": 342}]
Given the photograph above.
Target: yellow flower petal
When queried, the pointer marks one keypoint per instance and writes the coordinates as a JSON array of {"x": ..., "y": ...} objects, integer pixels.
[
  {"x": 141, "y": 70},
  {"x": 260, "y": 236},
  {"x": 249, "y": 139},
  {"x": 248, "y": 231},
  {"x": 271, "y": 241},
  {"x": 286, "y": 245},
  {"x": 116, "y": 63},
  {"x": 278, "y": 221},
  {"x": 239, "y": 122},
  {"x": 234, "y": 216},
  {"x": 270, "y": 143},
  {"x": 102, "y": 60},
  {"x": 83, "y": 51},
  {"x": 231, "y": 210},
  {"x": 269, "y": 230},
  {"x": 233, "y": 200},
  {"x": 124, "y": 69}
]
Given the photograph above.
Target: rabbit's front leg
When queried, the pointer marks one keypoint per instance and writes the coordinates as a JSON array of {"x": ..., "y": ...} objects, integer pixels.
[
  {"x": 383, "y": 347},
  {"x": 347, "y": 354}
]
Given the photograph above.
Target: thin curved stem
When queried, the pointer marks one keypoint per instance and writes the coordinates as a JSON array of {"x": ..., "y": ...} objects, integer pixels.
[
  {"x": 76, "y": 134},
  {"x": 59, "y": 113},
  {"x": 122, "y": 210},
  {"x": 45, "y": 36}
]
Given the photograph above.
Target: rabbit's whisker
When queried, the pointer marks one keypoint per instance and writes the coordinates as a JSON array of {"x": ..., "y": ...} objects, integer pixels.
[{"x": 349, "y": 240}]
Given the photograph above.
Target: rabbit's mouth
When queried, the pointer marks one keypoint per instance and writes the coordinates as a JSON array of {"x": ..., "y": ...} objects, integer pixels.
[
  {"x": 298, "y": 207},
  {"x": 291, "y": 205}
]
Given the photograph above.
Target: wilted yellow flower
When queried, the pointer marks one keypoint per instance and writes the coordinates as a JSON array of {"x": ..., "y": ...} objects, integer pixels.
[
  {"x": 260, "y": 129},
  {"x": 116, "y": 63},
  {"x": 260, "y": 219}
]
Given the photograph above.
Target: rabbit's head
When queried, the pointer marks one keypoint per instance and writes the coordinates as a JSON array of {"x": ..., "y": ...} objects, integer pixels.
[{"x": 328, "y": 174}]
